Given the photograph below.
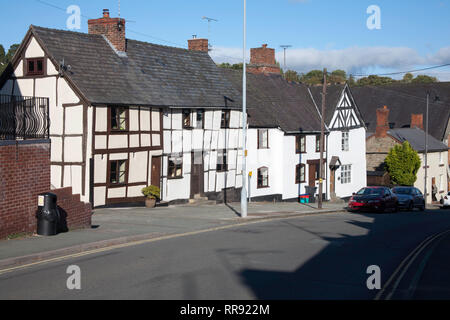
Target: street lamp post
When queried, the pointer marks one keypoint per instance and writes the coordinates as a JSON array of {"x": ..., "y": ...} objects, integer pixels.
[
  {"x": 426, "y": 149},
  {"x": 244, "y": 122}
]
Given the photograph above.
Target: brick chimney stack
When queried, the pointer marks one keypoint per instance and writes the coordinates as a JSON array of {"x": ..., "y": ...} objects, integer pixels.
[
  {"x": 262, "y": 60},
  {"x": 382, "y": 122},
  {"x": 417, "y": 121},
  {"x": 112, "y": 28},
  {"x": 198, "y": 44}
]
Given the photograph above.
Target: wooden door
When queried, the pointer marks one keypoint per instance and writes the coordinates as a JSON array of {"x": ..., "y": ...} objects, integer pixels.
[
  {"x": 312, "y": 175},
  {"x": 156, "y": 171},
  {"x": 332, "y": 181},
  {"x": 197, "y": 175}
]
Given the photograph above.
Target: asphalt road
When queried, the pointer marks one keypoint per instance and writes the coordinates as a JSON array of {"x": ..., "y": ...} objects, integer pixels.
[{"x": 314, "y": 257}]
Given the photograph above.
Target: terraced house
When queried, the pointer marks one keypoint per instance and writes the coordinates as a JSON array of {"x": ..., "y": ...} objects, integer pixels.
[
  {"x": 126, "y": 114},
  {"x": 284, "y": 135}
]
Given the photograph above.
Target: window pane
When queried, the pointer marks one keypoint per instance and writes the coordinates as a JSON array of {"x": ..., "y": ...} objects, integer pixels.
[
  {"x": 199, "y": 124},
  {"x": 40, "y": 67},
  {"x": 30, "y": 66}
]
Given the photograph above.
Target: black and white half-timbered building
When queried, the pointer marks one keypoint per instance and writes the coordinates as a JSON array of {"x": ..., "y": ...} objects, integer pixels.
[
  {"x": 127, "y": 114},
  {"x": 346, "y": 143}
]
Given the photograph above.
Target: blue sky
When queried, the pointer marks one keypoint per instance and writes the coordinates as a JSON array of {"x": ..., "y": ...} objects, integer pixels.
[{"x": 323, "y": 33}]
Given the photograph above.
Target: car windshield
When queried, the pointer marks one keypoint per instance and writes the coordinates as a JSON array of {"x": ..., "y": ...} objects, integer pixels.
[
  {"x": 402, "y": 190},
  {"x": 370, "y": 191}
]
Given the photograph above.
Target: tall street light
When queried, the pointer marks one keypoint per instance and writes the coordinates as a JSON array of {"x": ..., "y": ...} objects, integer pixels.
[{"x": 244, "y": 121}]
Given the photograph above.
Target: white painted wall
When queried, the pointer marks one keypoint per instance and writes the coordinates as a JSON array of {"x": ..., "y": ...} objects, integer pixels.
[
  {"x": 183, "y": 142},
  {"x": 356, "y": 157},
  {"x": 437, "y": 169}
]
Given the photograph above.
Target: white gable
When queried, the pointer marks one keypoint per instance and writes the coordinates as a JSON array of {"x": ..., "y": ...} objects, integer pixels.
[{"x": 345, "y": 115}]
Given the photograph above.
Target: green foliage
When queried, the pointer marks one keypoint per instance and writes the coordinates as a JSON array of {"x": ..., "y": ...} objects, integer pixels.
[
  {"x": 236, "y": 66},
  {"x": 313, "y": 77},
  {"x": 424, "y": 79},
  {"x": 6, "y": 58},
  {"x": 292, "y": 75},
  {"x": 337, "y": 77},
  {"x": 375, "y": 81},
  {"x": 402, "y": 164},
  {"x": 152, "y": 192},
  {"x": 408, "y": 78}
]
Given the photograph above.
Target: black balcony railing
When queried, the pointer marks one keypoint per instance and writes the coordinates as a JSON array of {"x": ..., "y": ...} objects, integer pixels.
[{"x": 23, "y": 118}]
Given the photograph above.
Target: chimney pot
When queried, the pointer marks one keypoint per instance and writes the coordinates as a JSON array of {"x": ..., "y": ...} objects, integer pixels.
[{"x": 105, "y": 13}]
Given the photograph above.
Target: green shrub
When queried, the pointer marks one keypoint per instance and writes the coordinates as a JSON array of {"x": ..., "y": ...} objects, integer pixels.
[
  {"x": 402, "y": 164},
  {"x": 151, "y": 192}
]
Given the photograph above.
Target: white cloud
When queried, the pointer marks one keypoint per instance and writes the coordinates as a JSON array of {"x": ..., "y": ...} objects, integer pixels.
[{"x": 352, "y": 60}]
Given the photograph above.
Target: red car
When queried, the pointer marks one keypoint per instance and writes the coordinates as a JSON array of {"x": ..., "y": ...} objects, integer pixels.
[{"x": 373, "y": 199}]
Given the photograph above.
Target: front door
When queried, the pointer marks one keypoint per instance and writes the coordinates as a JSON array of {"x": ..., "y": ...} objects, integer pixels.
[
  {"x": 197, "y": 175},
  {"x": 156, "y": 171},
  {"x": 332, "y": 181},
  {"x": 313, "y": 172}
]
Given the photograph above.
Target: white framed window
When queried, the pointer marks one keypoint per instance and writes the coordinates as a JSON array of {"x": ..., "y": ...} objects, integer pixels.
[
  {"x": 263, "y": 139},
  {"x": 441, "y": 158},
  {"x": 346, "y": 174},
  {"x": 441, "y": 182},
  {"x": 263, "y": 177},
  {"x": 345, "y": 141}
]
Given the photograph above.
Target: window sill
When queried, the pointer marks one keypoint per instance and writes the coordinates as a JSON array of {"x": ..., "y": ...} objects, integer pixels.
[
  {"x": 263, "y": 187},
  {"x": 175, "y": 178}
]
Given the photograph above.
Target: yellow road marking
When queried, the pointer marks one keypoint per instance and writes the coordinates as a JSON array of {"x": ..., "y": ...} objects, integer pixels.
[{"x": 413, "y": 255}]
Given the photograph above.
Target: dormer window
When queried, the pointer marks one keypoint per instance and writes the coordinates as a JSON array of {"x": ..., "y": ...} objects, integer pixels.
[{"x": 35, "y": 67}]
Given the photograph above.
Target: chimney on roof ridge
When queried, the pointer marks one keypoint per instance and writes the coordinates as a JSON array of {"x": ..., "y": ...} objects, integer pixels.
[
  {"x": 262, "y": 60},
  {"x": 112, "y": 28},
  {"x": 196, "y": 44},
  {"x": 382, "y": 122},
  {"x": 417, "y": 121}
]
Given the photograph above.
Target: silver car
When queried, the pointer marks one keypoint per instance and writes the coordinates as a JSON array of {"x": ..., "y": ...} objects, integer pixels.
[{"x": 409, "y": 198}]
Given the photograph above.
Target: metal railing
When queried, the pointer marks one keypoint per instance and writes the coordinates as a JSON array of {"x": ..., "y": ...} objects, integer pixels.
[{"x": 24, "y": 118}]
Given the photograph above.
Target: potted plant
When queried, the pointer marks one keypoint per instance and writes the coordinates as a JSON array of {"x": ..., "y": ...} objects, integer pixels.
[{"x": 151, "y": 193}]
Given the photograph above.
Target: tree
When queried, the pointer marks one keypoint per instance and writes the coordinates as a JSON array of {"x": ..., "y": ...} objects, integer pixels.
[
  {"x": 424, "y": 79},
  {"x": 313, "y": 77},
  {"x": 226, "y": 65},
  {"x": 6, "y": 58},
  {"x": 408, "y": 78},
  {"x": 292, "y": 75},
  {"x": 338, "y": 77},
  {"x": 375, "y": 81},
  {"x": 402, "y": 164}
]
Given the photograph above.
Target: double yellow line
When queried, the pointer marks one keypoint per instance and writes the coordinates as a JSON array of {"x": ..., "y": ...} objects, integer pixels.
[{"x": 401, "y": 270}]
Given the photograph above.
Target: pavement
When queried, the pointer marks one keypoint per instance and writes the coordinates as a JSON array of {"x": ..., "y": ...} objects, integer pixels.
[{"x": 117, "y": 226}]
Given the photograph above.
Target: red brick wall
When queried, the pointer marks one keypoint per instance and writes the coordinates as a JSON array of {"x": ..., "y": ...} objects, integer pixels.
[
  {"x": 262, "y": 60},
  {"x": 198, "y": 45},
  {"x": 109, "y": 28},
  {"x": 78, "y": 213},
  {"x": 24, "y": 174}
]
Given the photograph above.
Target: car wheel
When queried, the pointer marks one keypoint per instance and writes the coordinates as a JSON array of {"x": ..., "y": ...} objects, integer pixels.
[
  {"x": 422, "y": 208},
  {"x": 411, "y": 206}
]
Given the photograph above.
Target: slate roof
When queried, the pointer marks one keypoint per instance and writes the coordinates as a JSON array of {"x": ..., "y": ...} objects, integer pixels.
[
  {"x": 404, "y": 100},
  {"x": 416, "y": 138},
  {"x": 151, "y": 74},
  {"x": 275, "y": 102},
  {"x": 334, "y": 93}
]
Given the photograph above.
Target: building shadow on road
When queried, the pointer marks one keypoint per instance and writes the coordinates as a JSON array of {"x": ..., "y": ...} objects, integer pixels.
[{"x": 339, "y": 270}]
